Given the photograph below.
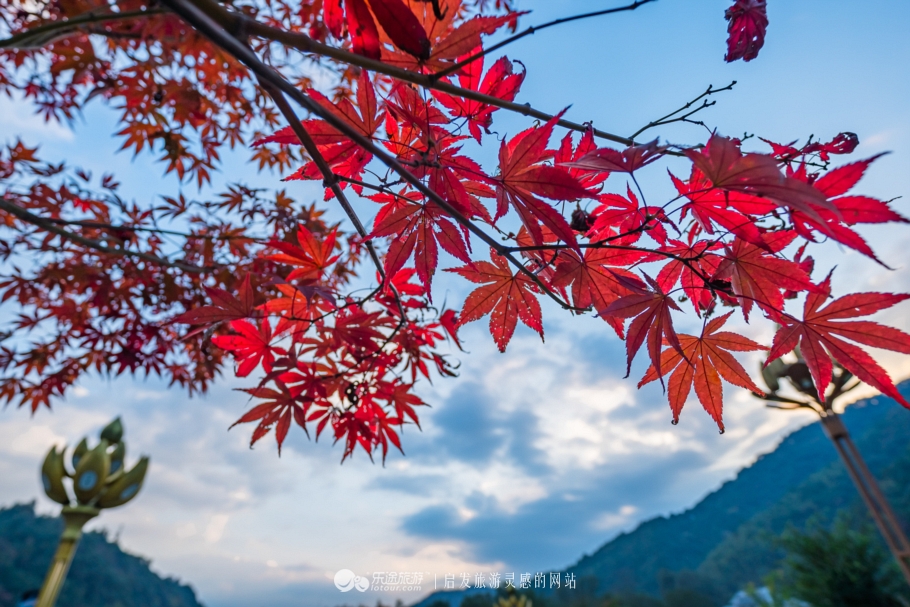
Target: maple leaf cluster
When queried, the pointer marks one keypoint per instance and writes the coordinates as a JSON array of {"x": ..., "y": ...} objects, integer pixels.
[{"x": 559, "y": 216}]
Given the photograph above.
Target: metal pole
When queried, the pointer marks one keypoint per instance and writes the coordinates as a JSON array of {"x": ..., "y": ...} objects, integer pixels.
[
  {"x": 74, "y": 519},
  {"x": 869, "y": 490}
]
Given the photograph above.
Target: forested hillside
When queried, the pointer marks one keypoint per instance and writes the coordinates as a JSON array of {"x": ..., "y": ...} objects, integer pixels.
[
  {"x": 726, "y": 540},
  {"x": 102, "y": 574}
]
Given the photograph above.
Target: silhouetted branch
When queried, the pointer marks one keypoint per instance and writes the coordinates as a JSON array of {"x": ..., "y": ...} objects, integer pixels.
[
  {"x": 43, "y": 35},
  {"x": 49, "y": 226}
]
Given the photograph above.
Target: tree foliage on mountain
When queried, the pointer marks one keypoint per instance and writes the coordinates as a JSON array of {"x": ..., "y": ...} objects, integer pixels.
[
  {"x": 339, "y": 321},
  {"x": 840, "y": 567},
  {"x": 102, "y": 574}
]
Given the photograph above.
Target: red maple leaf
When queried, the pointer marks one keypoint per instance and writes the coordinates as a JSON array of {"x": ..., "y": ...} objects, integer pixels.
[
  {"x": 505, "y": 296},
  {"x": 843, "y": 143},
  {"x": 296, "y": 306},
  {"x": 400, "y": 25},
  {"x": 362, "y": 29},
  {"x": 224, "y": 306},
  {"x": 849, "y": 210},
  {"x": 450, "y": 322},
  {"x": 710, "y": 206},
  {"x": 821, "y": 333},
  {"x": 523, "y": 177},
  {"x": 500, "y": 81},
  {"x": 704, "y": 361},
  {"x": 311, "y": 256},
  {"x": 623, "y": 220},
  {"x": 595, "y": 278},
  {"x": 282, "y": 405},
  {"x": 748, "y": 21},
  {"x": 628, "y": 160},
  {"x": 726, "y": 167},
  {"x": 345, "y": 157},
  {"x": 333, "y": 17},
  {"x": 650, "y": 311},
  {"x": 417, "y": 228},
  {"x": 250, "y": 347},
  {"x": 566, "y": 154},
  {"x": 757, "y": 275}
]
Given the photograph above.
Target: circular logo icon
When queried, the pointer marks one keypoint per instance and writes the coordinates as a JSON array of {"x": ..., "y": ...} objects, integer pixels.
[
  {"x": 361, "y": 583},
  {"x": 345, "y": 580}
]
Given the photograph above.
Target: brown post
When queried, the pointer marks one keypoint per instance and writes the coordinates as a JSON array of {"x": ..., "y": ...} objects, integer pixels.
[{"x": 868, "y": 488}]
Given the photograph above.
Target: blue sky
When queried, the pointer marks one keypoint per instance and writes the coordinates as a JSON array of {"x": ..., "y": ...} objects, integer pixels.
[{"x": 533, "y": 457}]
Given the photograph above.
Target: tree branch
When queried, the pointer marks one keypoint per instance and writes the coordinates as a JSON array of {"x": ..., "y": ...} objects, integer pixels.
[
  {"x": 331, "y": 181},
  {"x": 531, "y": 30},
  {"x": 236, "y": 24},
  {"x": 126, "y": 228},
  {"x": 48, "y": 226},
  {"x": 43, "y": 35},
  {"x": 198, "y": 19}
]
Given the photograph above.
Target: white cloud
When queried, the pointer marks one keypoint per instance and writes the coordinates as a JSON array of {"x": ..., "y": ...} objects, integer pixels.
[
  {"x": 215, "y": 529},
  {"x": 18, "y": 119}
]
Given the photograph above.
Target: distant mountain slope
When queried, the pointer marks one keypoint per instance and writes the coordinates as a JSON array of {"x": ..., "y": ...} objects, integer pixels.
[
  {"x": 886, "y": 448},
  {"x": 102, "y": 574},
  {"x": 727, "y": 536}
]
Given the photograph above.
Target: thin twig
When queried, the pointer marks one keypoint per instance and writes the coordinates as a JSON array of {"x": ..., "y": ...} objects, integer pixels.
[
  {"x": 669, "y": 118},
  {"x": 125, "y": 228},
  {"x": 48, "y": 226},
  {"x": 531, "y": 30}
]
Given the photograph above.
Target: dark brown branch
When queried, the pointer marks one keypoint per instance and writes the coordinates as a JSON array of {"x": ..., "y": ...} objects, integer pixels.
[
  {"x": 45, "y": 34},
  {"x": 125, "y": 228},
  {"x": 330, "y": 180},
  {"x": 533, "y": 29},
  {"x": 211, "y": 29},
  {"x": 49, "y": 226}
]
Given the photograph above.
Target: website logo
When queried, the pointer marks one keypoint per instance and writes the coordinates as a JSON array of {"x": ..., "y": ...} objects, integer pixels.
[{"x": 346, "y": 580}]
